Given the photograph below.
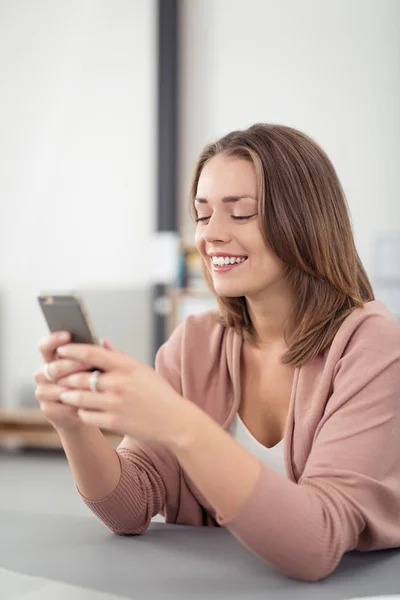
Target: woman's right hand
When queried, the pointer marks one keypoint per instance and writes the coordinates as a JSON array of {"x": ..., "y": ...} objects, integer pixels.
[{"x": 61, "y": 416}]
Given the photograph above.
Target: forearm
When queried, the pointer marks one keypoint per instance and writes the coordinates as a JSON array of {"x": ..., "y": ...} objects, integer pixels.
[
  {"x": 303, "y": 529},
  {"x": 221, "y": 468},
  {"x": 93, "y": 461}
]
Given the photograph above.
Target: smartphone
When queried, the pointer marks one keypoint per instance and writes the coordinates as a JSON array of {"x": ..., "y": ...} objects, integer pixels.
[{"x": 66, "y": 312}]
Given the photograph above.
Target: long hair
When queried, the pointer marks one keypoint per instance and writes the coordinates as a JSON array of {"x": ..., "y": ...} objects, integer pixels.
[{"x": 305, "y": 221}]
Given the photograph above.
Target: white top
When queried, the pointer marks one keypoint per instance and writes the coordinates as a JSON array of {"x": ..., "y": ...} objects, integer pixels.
[{"x": 273, "y": 457}]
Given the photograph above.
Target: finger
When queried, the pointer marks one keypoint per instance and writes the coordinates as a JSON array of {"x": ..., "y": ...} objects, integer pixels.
[
  {"x": 106, "y": 382},
  {"x": 59, "y": 369},
  {"x": 88, "y": 400},
  {"x": 97, "y": 357},
  {"x": 107, "y": 345},
  {"x": 57, "y": 410},
  {"x": 49, "y": 344},
  {"x": 103, "y": 420},
  {"x": 50, "y": 392}
]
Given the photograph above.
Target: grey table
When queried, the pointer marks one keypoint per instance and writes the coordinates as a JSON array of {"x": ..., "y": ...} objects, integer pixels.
[{"x": 171, "y": 562}]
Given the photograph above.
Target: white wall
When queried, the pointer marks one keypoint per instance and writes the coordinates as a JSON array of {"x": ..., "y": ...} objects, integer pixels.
[
  {"x": 77, "y": 167},
  {"x": 77, "y": 129},
  {"x": 328, "y": 67}
]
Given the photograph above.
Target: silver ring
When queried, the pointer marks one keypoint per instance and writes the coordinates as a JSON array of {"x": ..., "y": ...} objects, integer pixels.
[
  {"x": 93, "y": 381},
  {"x": 47, "y": 374}
]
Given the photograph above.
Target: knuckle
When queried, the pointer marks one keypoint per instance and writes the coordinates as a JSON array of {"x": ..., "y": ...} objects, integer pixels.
[
  {"x": 54, "y": 370},
  {"x": 126, "y": 365},
  {"x": 85, "y": 354},
  {"x": 79, "y": 380},
  {"x": 75, "y": 366},
  {"x": 78, "y": 402},
  {"x": 115, "y": 387},
  {"x": 113, "y": 422},
  {"x": 117, "y": 403},
  {"x": 45, "y": 409},
  {"x": 57, "y": 369},
  {"x": 61, "y": 368},
  {"x": 39, "y": 395},
  {"x": 118, "y": 385},
  {"x": 37, "y": 376},
  {"x": 44, "y": 344}
]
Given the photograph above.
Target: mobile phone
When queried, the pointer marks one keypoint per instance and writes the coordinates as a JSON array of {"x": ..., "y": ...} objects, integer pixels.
[{"x": 66, "y": 312}]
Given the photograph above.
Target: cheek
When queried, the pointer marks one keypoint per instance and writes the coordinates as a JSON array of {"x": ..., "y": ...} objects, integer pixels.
[
  {"x": 263, "y": 257},
  {"x": 273, "y": 266},
  {"x": 199, "y": 241}
]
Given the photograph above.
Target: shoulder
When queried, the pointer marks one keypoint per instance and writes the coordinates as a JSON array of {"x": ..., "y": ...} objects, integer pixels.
[
  {"x": 197, "y": 340},
  {"x": 362, "y": 365},
  {"x": 198, "y": 331},
  {"x": 370, "y": 328},
  {"x": 366, "y": 344},
  {"x": 365, "y": 351}
]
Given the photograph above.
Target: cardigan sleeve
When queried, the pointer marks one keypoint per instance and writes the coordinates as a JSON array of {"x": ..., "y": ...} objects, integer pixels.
[{"x": 151, "y": 480}]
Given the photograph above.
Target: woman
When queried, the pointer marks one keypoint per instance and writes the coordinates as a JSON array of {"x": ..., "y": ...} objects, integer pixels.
[{"x": 278, "y": 415}]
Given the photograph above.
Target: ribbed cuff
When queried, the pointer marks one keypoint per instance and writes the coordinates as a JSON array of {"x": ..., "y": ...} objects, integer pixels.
[{"x": 125, "y": 509}]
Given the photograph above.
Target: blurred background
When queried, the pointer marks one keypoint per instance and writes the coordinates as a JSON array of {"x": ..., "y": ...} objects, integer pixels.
[{"x": 105, "y": 106}]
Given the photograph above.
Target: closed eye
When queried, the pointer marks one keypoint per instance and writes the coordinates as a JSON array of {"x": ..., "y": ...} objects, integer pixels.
[{"x": 201, "y": 219}]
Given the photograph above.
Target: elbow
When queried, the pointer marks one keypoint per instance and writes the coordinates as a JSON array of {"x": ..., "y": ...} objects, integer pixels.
[
  {"x": 311, "y": 565},
  {"x": 127, "y": 531},
  {"x": 123, "y": 524},
  {"x": 126, "y": 528},
  {"x": 311, "y": 573}
]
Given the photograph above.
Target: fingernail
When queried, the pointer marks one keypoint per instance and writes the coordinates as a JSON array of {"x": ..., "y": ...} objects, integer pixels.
[
  {"x": 69, "y": 396},
  {"x": 63, "y": 336},
  {"x": 62, "y": 350}
]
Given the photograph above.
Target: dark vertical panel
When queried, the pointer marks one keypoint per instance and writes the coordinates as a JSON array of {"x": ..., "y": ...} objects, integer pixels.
[
  {"x": 167, "y": 140},
  {"x": 159, "y": 318},
  {"x": 168, "y": 23}
]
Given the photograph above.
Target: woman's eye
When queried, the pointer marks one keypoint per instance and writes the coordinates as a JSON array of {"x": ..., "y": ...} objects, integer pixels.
[{"x": 242, "y": 218}]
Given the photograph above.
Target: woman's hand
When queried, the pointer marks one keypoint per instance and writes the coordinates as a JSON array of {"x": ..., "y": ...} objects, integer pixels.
[
  {"x": 61, "y": 416},
  {"x": 131, "y": 398}
]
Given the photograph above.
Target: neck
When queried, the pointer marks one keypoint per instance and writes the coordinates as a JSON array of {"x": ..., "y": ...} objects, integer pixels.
[{"x": 270, "y": 315}]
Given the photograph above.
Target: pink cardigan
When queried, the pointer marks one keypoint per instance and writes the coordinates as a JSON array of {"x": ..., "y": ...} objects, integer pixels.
[{"x": 341, "y": 445}]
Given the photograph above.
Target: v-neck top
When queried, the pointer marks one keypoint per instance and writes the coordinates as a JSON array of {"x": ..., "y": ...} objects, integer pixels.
[{"x": 273, "y": 457}]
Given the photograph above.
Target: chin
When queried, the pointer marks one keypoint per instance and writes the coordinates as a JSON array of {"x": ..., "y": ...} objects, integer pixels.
[{"x": 229, "y": 290}]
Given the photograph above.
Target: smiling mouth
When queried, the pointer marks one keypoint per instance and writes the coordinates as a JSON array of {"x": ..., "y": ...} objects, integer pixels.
[{"x": 222, "y": 264}]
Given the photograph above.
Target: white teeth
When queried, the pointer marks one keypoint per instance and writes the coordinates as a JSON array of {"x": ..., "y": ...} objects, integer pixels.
[{"x": 221, "y": 261}]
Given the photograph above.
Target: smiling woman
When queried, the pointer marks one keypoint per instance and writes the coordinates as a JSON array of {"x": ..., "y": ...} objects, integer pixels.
[
  {"x": 275, "y": 416},
  {"x": 282, "y": 186},
  {"x": 228, "y": 225}
]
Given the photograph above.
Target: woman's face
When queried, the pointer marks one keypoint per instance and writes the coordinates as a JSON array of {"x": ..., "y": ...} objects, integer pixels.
[{"x": 228, "y": 234}]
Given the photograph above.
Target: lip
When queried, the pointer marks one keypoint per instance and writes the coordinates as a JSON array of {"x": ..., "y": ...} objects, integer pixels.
[{"x": 211, "y": 254}]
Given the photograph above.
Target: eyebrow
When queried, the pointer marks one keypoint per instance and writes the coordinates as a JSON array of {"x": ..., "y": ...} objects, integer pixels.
[{"x": 226, "y": 199}]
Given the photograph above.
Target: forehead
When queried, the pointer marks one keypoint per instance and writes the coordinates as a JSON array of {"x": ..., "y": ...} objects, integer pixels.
[{"x": 227, "y": 176}]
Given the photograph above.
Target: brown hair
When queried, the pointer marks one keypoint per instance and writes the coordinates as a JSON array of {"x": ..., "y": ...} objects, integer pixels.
[{"x": 305, "y": 221}]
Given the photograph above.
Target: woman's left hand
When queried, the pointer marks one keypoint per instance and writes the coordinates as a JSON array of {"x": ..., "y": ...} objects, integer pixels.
[{"x": 131, "y": 398}]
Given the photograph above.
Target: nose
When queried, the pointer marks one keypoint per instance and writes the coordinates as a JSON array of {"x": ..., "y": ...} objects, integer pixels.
[{"x": 216, "y": 231}]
